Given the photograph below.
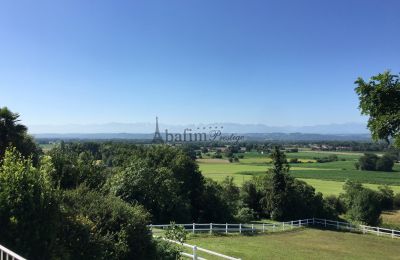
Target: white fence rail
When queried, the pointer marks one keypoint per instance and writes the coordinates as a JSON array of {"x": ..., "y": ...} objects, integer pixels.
[
  {"x": 196, "y": 248},
  {"x": 6, "y": 254},
  {"x": 235, "y": 228},
  {"x": 268, "y": 227}
]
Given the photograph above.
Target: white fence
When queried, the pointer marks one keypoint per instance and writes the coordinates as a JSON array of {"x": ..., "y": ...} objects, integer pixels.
[
  {"x": 194, "y": 255},
  {"x": 234, "y": 228},
  {"x": 271, "y": 227},
  {"x": 6, "y": 254},
  {"x": 358, "y": 228}
]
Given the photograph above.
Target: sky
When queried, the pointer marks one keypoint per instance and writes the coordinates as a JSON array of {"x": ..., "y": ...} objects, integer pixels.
[{"x": 268, "y": 62}]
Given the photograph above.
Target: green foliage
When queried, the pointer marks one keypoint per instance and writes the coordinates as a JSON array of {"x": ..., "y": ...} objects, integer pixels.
[
  {"x": 336, "y": 203},
  {"x": 75, "y": 165},
  {"x": 385, "y": 164},
  {"x": 396, "y": 201},
  {"x": 277, "y": 202},
  {"x": 166, "y": 251},
  {"x": 362, "y": 204},
  {"x": 245, "y": 215},
  {"x": 380, "y": 99},
  {"x": 371, "y": 162},
  {"x": 214, "y": 206},
  {"x": 156, "y": 189},
  {"x": 386, "y": 196},
  {"x": 281, "y": 197},
  {"x": 98, "y": 226},
  {"x": 176, "y": 232},
  {"x": 251, "y": 197},
  {"x": 14, "y": 134},
  {"x": 368, "y": 162},
  {"x": 29, "y": 208}
]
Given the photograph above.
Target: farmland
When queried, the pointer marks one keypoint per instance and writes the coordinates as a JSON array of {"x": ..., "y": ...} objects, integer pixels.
[
  {"x": 327, "y": 177},
  {"x": 301, "y": 244}
]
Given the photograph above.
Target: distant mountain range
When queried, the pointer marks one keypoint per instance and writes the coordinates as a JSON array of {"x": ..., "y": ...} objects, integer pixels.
[
  {"x": 144, "y": 128},
  {"x": 347, "y": 131}
]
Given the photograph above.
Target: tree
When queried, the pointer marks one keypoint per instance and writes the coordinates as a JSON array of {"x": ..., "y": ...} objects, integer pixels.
[
  {"x": 385, "y": 164},
  {"x": 29, "y": 206},
  {"x": 156, "y": 189},
  {"x": 98, "y": 226},
  {"x": 12, "y": 133},
  {"x": 279, "y": 180},
  {"x": 371, "y": 162},
  {"x": 387, "y": 197},
  {"x": 380, "y": 99},
  {"x": 362, "y": 204},
  {"x": 368, "y": 162}
]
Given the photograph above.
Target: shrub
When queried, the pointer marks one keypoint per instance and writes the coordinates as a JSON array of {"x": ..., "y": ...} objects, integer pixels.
[
  {"x": 335, "y": 203},
  {"x": 396, "y": 201},
  {"x": 386, "y": 196},
  {"x": 164, "y": 250},
  {"x": 362, "y": 204},
  {"x": 368, "y": 162},
  {"x": 294, "y": 160},
  {"x": 100, "y": 227},
  {"x": 385, "y": 163},
  {"x": 244, "y": 215},
  {"x": 29, "y": 207},
  {"x": 176, "y": 232}
]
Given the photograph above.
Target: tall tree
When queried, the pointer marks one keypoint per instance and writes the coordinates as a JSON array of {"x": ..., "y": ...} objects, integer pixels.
[
  {"x": 12, "y": 133},
  {"x": 279, "y": 174},
  {"x": 380, "y": 99}
]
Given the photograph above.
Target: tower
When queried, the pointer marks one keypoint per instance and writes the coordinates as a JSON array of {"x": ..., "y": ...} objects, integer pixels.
[{"x": 157, "y": 139}]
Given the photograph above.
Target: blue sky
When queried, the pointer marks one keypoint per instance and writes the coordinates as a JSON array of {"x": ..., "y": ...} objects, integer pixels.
[{"x": 270, "y": 62}]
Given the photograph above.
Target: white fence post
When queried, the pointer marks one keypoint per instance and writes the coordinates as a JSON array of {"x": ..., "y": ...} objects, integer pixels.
[
  {"x": 325, "y": 222},
  {"x": 283, "y": 226},
  {"x": 392, "y": 233},
  {"x": 210, "y": 228},
  {"x": 291, "y": 223},
  {"x": 252, "y": 227},
  {"x": 194, "y": 228},
  {"x": 273, "y": 228},
  {"x": 263, "y": 227},
  {"x": 337, "y": 224},
  {"x": 240, "y": 228},
  {"x": 378, "y": 231},
  {"x": 195, "y": 252},
  {"x": 226, "y": 228}
]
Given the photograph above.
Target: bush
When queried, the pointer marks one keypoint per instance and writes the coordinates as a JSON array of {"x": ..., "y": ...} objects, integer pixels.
[
  {"x": 386, "y": 196},
  {"x": 396, "y": 201},
  {"x": 362, "y": 204},
  {"x": 29, "y": 207},
  {"x": 371, "y": 162},
  {"x": 385, "y": 164},
  {"x": 176, "y": 232},
  {"x": 335, "y": 203},
  {"x": 244, "y": 215},
  {"x": 164, "y": 250},
  {"x": 104, "y": 227},
  {"x": 294, "y": 160},
  {"x": 368, "y": 162}
]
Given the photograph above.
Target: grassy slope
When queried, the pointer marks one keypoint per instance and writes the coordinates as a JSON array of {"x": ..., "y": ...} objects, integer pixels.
[{"x": 303, "y": 244}]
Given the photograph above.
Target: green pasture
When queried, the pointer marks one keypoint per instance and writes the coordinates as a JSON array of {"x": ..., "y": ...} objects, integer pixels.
[
  {"x": 327, "y": 178},
  {"x": 301, "y": 244}
]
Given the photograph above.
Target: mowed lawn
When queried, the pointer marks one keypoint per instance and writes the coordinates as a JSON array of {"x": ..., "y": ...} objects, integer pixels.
[{"x": 302, "y": 244}]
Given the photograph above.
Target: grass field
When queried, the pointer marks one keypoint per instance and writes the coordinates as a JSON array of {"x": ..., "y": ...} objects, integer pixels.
[
  {"x": 327, "y": 178},
  {"x": 302, "y": 244}
]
